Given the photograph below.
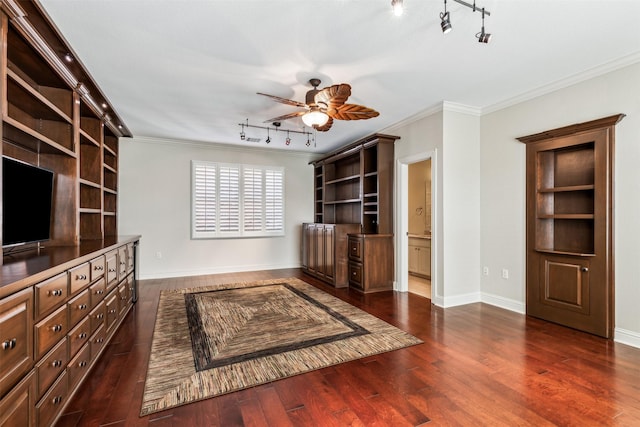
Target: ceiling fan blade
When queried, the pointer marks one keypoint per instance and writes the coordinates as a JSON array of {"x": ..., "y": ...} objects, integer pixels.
[
  {"x": 283, "y": 100},
  {"x": 352, "y": 112},
  {"x": 325, "y": 127},
  {"x": 333, "y": 96},
  {"x": 285, "y": 117}
]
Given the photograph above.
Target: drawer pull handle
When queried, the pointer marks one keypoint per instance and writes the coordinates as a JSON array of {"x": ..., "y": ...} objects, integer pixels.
[
  {"x": 56, "y": 363},
  {"x": 82, "y": 307},
  {"x": 82, "y": 335},
  {"x": 112, "y": 311},
  {"x": 56, "y": 400},
  {"x": 56, "y": 292},
  {"x": 99, "y": 316},
  {"x": 9, "y": 344},
  {"x": 82, "y": 364},
  {"x": 354, "y": 273},
  {"x": 99, "y": 340},
  {"x": 98, "y": 268},
  {"x": 81, "y": 277},
  {"x": 56, "y": 328},
  {"x": 100, "y": 292},
  {"x": 112, "y": 270}
]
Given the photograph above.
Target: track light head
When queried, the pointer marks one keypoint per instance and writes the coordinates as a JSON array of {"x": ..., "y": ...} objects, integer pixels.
[
  {"x": 482, "y": 36},
  {"x": 445, "y": 23}
]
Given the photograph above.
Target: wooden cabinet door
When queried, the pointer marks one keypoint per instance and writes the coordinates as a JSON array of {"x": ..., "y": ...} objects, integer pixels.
[
  {"x": 424, "y": 261},
  {"x": 413, "y": 258},
  {"x": 329, "y": 242},
  {"x": 304, "y": 248},
  {"x": 312, "y": 248},
  {"x": 16, "y": 337},
  {"x": 570, "y": 226}
]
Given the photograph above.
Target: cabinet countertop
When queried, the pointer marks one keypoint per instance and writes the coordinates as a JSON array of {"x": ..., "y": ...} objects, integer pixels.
[{"x": 419, "y": 236}]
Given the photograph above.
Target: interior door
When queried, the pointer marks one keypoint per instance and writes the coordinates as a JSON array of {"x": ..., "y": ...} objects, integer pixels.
[{"x": 570, "y": 226}]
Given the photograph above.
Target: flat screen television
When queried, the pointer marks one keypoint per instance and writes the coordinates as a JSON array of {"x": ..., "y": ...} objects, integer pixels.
[{"x": 27, "y": 194}]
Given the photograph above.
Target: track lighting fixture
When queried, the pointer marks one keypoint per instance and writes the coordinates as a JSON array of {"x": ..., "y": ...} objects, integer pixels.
[
  {"x": 482, "y": 36},
  {"x": 398, "y": 7},
  {"x": 445, "y": 20},
  {"x": 276, "y": 128},
  {"x": 445, "y": 17}
]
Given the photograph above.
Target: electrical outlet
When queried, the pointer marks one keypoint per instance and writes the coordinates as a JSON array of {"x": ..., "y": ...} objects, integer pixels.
[
  {"x": 159, "y": 255},
  {"x": 485, "y": 271},
  {"x": 505, "y": 273}
]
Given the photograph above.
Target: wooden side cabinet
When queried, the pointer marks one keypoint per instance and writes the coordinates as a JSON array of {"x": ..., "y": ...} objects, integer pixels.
[
  {"x": 570, "y": 247},
  {"x": 371, "y": 262},
  {"x": 420, "y": 257},
  {"x": 324, "y": 251}
]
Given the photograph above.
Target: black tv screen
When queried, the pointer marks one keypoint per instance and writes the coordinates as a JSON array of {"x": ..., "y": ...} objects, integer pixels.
[{"x": 27, "y": 193}]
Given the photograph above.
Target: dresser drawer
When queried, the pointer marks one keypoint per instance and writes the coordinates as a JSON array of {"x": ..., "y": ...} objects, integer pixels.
[
  {"x": 97, "y": 317},
  {"x": 79, "y": 335},
  {"x": 355, "y": 248},
  {"x": 79, "y": 307},
  {"x": 97, "y": 341},
  {"x": 16, "y": 338},
  {"x": 79, "y": 365},
  {"x": 122, "y": 262},
  {"x": 112, "y": 269},
  {"x": 111, "y": 311},
  {"x": 50, "y": 330},
  {"x": 16, "y": 406},
  {"x": 355, "y": 275},
  {"x": 98, "y": 291},
  {"x": 50, "y": 294},
  {"x": 50, "y": 405},
  {"x": 52, "y": 365},
  {"x": 79, "y": 277},
  {"x": 123, "y": 296},
  {"x": 97, "y": 268},
  {"x": 130, "y": 258}
]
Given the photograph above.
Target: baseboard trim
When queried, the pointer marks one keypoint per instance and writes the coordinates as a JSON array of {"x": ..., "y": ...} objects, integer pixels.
[
  {"x": 215, "y": 270},
  {"x": 502, "y": 302},
  {"x": 456, "y": 300},
  {"x": 625, "y": 336}
]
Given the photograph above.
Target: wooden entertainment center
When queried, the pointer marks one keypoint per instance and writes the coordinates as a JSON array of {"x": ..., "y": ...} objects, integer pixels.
[
  {"x": 62, "y": 300},
  {"x": 351, "y": 241}
]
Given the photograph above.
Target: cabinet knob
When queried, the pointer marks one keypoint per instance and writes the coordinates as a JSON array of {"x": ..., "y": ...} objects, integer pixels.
[
  {"x": 82, "y": 335},
  {"x": 56, "y": 328},
  {"x": 9, "y": 344},
  {"x": 81, "y": 277},
  {"x": 56, "y": 400},
  {"x": 585, "y": 269},
  {"x": 56, "y": 292},
  {"x": 82, "y": 307},
  {"x": 56, "y": 363},
  {"x": 82, "y": 364}
]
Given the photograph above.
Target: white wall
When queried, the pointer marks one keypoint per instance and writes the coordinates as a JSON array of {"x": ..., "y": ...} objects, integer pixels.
[
  {"x": 502, "y": 162},
  {"x": 154, "y": 201},
  {"x": 453, "y": 135}
]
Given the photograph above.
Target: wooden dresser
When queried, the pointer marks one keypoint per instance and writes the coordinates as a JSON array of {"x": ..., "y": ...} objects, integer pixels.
[{"x": 59, "y": 307}]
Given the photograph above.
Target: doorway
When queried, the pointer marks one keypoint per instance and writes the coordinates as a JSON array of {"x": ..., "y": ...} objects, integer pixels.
[
  {"x": 415, "y": 250},
  {"x": 419, "y": 228}
]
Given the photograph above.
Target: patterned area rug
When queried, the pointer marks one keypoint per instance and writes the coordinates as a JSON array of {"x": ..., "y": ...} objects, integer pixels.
[{"x": 217, "y": 339}]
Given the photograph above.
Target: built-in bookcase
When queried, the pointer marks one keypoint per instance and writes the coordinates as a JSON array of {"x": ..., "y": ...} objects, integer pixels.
[{"x": 51, "y": 119}]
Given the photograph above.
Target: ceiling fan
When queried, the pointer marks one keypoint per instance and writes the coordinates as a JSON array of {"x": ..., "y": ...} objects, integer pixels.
[{"x": 322, "y": 106}]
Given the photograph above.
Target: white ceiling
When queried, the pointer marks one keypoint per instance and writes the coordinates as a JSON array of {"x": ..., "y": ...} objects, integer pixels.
[{"x": 190, "y": 69}]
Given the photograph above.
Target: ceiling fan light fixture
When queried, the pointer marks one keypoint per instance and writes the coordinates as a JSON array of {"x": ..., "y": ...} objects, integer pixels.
[
  {"x": 398, "y": 8},
  {"x": 315, "y": 118}
]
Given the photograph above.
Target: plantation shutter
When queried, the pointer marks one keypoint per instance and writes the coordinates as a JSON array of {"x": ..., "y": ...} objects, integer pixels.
[
  {"x": 252, "y": 204},
  {"x": 204, "y": 217},
  {"x": 274, "y": 200},
  {"x": 231, "y": 200}
]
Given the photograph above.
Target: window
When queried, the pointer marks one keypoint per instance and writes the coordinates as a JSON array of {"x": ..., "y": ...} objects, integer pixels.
[{"x": 233, "y": 200}]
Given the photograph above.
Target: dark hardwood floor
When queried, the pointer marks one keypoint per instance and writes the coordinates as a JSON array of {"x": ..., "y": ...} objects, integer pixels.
[{"x": 479, "y": 365}]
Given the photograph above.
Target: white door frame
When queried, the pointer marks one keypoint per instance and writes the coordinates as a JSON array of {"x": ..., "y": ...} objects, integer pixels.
[{"x": 402, "y": 219}]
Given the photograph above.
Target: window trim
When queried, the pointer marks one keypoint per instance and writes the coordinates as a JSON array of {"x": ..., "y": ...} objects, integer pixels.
[{"x": 241, "y": 233}]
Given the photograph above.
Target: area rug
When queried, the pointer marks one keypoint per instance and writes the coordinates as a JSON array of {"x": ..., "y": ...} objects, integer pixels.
[{"x": 217, "y": 339}]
